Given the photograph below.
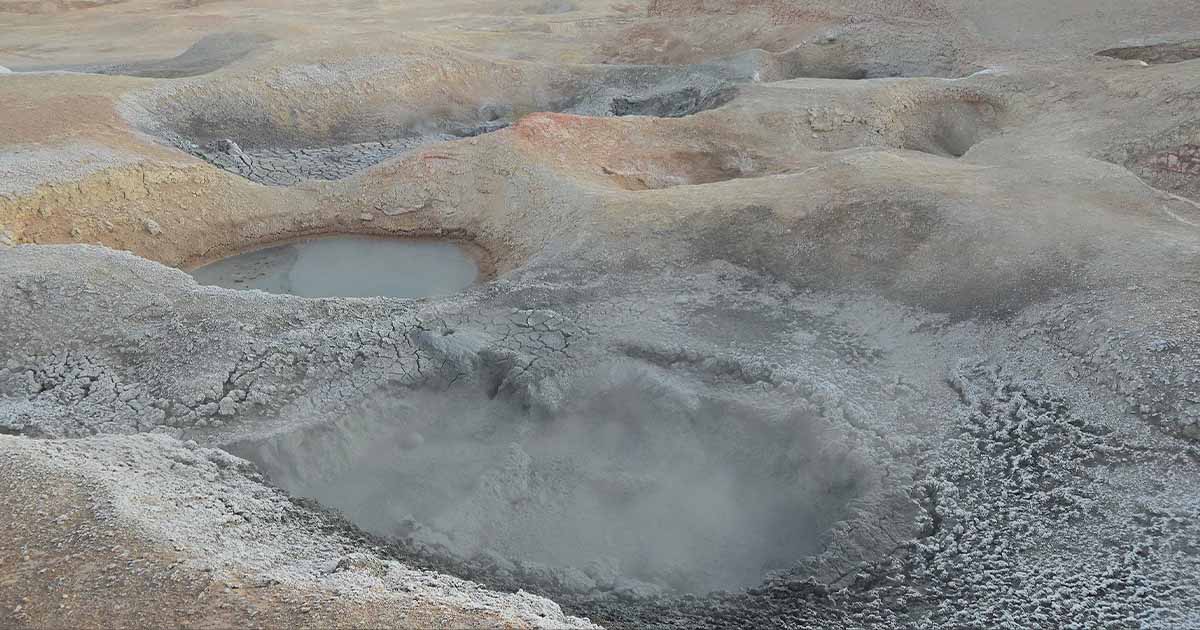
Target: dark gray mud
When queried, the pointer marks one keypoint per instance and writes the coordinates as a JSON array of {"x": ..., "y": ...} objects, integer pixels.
[
  {"x": 1173, "y": 52},
  {"x": 274, "y": 166}
]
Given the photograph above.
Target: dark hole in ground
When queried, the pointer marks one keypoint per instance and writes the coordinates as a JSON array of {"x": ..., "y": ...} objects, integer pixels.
[
  {"x": 676, "y": 104},
  {"x": 949, "y": 127}
]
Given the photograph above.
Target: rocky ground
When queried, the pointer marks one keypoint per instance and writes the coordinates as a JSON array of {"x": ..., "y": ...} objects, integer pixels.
[{"x": 796, "y": 314}]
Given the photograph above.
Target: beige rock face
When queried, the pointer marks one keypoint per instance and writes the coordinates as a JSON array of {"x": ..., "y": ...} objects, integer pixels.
[{"x": 871, "y": 313}]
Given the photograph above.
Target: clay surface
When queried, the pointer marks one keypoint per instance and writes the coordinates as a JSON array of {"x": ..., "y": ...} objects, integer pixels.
[{"x": 816, "y": 314}]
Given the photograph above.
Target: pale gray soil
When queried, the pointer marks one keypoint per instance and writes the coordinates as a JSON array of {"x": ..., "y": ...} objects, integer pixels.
[{"x": 804, "y": 315}]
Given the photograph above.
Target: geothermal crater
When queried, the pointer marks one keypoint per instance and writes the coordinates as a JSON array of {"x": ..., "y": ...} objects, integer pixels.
[
  {"x": 679, "y": 314},
  {"x": 641, "y": 487}
]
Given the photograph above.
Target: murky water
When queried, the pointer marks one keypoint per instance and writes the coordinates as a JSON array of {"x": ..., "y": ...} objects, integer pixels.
[{"x": 347, "y": 266}]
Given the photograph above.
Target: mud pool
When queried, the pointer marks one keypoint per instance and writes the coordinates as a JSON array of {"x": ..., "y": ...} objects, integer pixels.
[
  {"x": 711, "y": 495},
  {"x": 347, "y": 266}
]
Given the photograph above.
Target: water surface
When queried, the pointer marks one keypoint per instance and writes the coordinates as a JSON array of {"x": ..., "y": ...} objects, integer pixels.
[{"x": 347, "y": 266}]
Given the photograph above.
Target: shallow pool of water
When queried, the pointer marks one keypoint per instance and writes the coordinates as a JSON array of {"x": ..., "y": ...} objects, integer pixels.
[{"x": 347, "y": 266}]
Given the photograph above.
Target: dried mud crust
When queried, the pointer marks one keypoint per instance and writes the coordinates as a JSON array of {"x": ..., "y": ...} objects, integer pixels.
[
  {"x": 1010, "y": 463},
  {"x": 239, "y": 126},
  {"x": 1020, "y": 469},
  {"x": 963, "y": 345},
  {"x": 324, "y": 574},
  {"x": 285, "y": 167},
  {"x": 236, "y": 124},
  {"x": 71, "y": 564},
  {"x": 1168, "y": 161}
]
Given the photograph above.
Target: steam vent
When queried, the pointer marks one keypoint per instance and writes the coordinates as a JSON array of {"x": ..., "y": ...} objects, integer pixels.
[{"x": 669, "y": 314}]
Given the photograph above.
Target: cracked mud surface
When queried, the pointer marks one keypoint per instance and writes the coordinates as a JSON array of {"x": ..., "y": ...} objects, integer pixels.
[{"x": 800, "y": 315}]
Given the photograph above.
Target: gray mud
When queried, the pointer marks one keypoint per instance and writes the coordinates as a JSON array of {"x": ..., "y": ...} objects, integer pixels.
[
  {"x": 711, "y": 494},
  {"x": 347, "y": 266},
  {"x": 684, "y": 102},
  {"x": 288, "y": 166},
  {"x": 890, "y": 390},
  {"x": 828, "y": 451}
]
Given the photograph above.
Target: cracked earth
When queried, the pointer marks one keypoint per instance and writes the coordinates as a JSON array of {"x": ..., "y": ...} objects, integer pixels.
[{"x": 812, "y": 314}]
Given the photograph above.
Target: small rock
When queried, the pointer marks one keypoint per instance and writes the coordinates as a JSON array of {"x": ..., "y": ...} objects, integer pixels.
[
  {"x": 228, "y": 146},
  {"x": 152, "y": 227},
  {"x": 6, "y": 238},
  {"x": 1161, "y": 345},
  {"x": 361, "y": 562},
  {"x": 366, "y": 217},
  {"x": 397, "y": 211},
  {"x": 491, "y": 112}
]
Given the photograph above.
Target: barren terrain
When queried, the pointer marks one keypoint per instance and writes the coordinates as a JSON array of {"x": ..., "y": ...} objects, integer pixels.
[{"x": 791, "y": 313}]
